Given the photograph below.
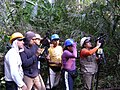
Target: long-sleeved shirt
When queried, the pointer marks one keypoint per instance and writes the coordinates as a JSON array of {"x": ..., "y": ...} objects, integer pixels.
[
  {"x": 69, "y": 59},
  {"x": 88, "y": 60},
  {"x": 30, "y": 61},
  {"x": 13, "y": 66},
  {"x": 85, "y": 52}
]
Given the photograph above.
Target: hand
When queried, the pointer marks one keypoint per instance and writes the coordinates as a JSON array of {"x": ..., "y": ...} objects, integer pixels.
[
  {"x": 98, "y": 43},
  {"x": 42, "y": 50},
  {"x": 39, "y": 51},
  {"x": 24, "y": 87},
  {"x": 48, "y": 57},
  {"x": 59, "y": 64}
]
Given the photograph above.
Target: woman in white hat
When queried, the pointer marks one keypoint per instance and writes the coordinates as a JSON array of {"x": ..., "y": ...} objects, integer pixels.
[{"x": 88, "y": 61}]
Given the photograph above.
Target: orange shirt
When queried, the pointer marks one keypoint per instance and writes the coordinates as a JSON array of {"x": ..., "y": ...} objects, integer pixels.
[{"x": 86, "y": 52}]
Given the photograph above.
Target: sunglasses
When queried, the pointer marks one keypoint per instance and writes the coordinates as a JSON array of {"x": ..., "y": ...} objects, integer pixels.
[
  {"x": 87, "y": 41},
  {"x": 20, "y": 39},
  {"x": 34, "y": 39}
]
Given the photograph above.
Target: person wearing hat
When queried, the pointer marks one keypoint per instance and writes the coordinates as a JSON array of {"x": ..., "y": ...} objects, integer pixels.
[
  {"x": 54, "y": 58},
  {"x": 30, "y": 61},
  {"x": 13, "y": 64},
  {"x": 69, "y": 64},
  {"x": 37, "y": 42},
  {"x": 38, "y": 39},
  {"x": 88, "y": 61}
]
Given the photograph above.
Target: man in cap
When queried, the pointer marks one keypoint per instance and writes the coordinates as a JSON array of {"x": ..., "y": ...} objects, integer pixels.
[
  {"x": 38, "y": 39},
  {"x": 13, "y": 64},
  {"x": 54, "y": 57},
  {"x": 38, "y": 43},
  {"x": 30, "y": 61},
  {"x": 88, "y": 61}
]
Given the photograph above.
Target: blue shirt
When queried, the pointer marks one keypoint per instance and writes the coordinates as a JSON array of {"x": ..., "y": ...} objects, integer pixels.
[{"x": 30, "y": 61}]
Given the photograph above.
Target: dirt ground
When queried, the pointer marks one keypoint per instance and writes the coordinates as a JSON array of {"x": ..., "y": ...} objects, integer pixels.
[{"x": 110, "y": 89}]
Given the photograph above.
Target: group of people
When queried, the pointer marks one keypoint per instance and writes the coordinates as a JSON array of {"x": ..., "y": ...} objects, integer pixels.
[{"x": 22, "y": 62}]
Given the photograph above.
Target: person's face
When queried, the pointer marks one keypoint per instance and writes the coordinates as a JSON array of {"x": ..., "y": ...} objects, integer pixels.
[
  {"x": 32, "y": 41},
  {"x": 70, "y": 48},
  {"x": 20, "y": 43},
  {"x": 88, "y": 44},
  {"x": 37, "y": 41},
  {"x": 55, "y": 42}
]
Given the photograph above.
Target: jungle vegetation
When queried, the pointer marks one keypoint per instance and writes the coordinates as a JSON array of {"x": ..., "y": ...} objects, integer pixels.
[{"x": 70, "y": 19}]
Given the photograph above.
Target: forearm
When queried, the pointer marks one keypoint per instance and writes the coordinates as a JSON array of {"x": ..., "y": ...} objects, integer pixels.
[
  {"x": 27, "y": 61},
  {"x": 86, "y": 52},
  {"x": 93, "y": 50}
]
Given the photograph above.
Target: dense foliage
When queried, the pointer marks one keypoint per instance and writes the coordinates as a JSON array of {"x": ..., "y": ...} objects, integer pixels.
[{"x": 68, "y": 18}]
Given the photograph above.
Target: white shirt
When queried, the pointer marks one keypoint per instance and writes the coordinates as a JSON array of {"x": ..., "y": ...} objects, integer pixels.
[{"x": 12, "y": 65}]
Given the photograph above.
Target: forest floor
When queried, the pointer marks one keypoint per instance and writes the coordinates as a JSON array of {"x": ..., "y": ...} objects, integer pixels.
[{"x": 118, "y": 88}]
